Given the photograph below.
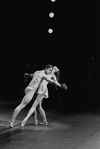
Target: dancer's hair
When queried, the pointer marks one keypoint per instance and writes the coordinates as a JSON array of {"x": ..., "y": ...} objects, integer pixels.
[
  {"x": 48, "y": 66},
  {"x": 57, "y": 73}
]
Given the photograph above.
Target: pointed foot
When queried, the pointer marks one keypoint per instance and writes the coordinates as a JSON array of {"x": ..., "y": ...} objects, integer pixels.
[
  {"x": 23, "y": 123},
  {"x": 11, "y": 124}
]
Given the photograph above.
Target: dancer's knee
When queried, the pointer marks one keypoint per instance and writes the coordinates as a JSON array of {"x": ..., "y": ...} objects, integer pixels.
[
  {"x": 35, "y": 105},
  {"x": 26, "y": 99},
  {"x": 39, "y": 99},
  {"x": 37, "y": 102},
  {"x": 41, "y": 110},
  {"x": 18, "y": 108},
  {"x": 21, "y": 106}
]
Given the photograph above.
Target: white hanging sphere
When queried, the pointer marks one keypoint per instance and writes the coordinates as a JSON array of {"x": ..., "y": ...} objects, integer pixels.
[
  {"x": 51, "y": 14},
  {"x": 50, "y": 30},
  {"x": 53, "y": 0}
]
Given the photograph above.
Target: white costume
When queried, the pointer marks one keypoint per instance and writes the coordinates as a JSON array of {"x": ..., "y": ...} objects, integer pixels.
[{"x": 43, "y": 87}]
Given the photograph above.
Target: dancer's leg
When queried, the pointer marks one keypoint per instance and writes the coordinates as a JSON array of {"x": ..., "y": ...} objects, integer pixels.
[
  {"x": 27, "y": 98},
  {"x": 42, "y": 113},
  {"x": 35, "y": 118},
  {"x": 31, "y": 111}
]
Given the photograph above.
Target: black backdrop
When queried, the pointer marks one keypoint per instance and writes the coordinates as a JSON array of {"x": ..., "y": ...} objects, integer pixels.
[{"x": 25, "y": 40}]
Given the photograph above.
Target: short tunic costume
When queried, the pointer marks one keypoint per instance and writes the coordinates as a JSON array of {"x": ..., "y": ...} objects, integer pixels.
[{"x": 43, "y": 87}]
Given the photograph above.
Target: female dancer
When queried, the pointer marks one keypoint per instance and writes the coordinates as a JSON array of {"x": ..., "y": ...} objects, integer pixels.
[{"x": 56, "y": 73}]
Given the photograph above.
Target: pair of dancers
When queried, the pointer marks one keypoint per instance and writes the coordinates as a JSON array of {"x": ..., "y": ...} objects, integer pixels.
[{"x": 38, "y": 85}]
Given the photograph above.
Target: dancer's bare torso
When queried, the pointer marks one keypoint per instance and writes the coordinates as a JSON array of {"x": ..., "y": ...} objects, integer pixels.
[{"x": 38, "y": 76}]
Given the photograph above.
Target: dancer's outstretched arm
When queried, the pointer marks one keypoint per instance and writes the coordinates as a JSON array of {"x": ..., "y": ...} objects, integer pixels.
[
  {"x": 29, "y": 75},
  {"x": 48, "y": 79},
  {"x": 63, "y": 85},
  {"x": 56, "y": 82}
]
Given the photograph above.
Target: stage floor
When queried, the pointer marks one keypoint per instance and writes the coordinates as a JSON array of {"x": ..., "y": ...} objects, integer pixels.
[{"x": 72, "y": 130}]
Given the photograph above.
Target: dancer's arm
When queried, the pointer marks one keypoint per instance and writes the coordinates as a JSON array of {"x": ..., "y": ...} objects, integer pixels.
[
  {"x": 56, "y": 82},
  {"x": 48, "y": 79},
  {"x": 52, "y": 80},
  {"x": 29, "y": 75},
  {"x": 63, "y": 85}
]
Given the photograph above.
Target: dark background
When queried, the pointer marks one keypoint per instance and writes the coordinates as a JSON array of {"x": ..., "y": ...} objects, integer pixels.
[{"x": 25, "y": 40}]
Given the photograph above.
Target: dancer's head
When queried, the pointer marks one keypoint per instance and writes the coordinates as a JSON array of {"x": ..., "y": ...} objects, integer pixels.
[
  {"x": 56, "y": 71},
  {"x": 48, "y": 69}
]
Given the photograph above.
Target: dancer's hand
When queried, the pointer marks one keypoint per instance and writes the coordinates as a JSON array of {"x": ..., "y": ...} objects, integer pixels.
[
  {"x": 64, "y": 86},
  {"x": 26, "y": 74}
]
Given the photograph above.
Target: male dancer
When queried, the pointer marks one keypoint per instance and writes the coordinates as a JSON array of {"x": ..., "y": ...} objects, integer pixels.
[{"x": 30, "y": 90}]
